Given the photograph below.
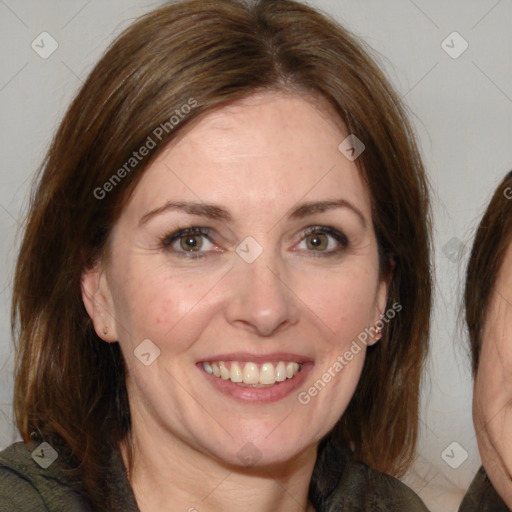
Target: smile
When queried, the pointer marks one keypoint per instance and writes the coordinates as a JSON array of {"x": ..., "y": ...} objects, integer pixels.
[
  {"x": 250, "y": 373},
  {"x": 259, "y": 380}
]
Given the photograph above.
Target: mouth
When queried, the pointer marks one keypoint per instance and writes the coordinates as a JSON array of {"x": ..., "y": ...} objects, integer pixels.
[
  {"x": 253, "y": 379},
  {"x": 253, "y": 374}
]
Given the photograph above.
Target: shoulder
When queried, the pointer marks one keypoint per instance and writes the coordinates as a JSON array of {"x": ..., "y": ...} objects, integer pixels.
[
  {"x": 16, "y": 492},
  {"x": 380, "y": 492},
  {"x": 340, "y": 483},
  {"x": 481, "y": 496},
  {"x": 18, "y": 495},
  {"x": 27, "y": 486}
]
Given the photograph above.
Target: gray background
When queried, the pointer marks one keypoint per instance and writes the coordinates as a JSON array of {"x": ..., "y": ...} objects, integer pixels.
[{"x": 462, "y": 111}]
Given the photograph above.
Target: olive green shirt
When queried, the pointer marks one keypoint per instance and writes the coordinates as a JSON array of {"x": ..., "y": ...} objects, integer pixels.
[
  {"x": 481, "y": 496},
  {"x": 337, "y": 484}
]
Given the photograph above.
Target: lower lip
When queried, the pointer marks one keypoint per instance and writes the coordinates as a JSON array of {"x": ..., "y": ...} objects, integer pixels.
[{"x": 268, "y": 394}]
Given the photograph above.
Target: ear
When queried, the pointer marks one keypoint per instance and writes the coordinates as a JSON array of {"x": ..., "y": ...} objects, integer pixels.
[
  {"x": 381, "y": 299},
  {"x": 98, "y": 302}
]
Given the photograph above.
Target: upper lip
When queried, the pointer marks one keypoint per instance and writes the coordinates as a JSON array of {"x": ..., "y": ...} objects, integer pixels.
[{"x": 258, "y": 358}]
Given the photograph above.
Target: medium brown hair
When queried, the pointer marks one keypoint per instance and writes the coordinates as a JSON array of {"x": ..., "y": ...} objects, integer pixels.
[
  {"x": 70, "y": 385},
  {"x": 492, "y": 239}
]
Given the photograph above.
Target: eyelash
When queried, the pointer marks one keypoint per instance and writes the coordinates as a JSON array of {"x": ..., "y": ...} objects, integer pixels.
[{"x": 167, "y": 240}]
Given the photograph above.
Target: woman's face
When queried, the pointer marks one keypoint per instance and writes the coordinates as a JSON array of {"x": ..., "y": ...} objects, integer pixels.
[
  {"x": 281, "y": 267},
  {"x": 492, "y": 402}
]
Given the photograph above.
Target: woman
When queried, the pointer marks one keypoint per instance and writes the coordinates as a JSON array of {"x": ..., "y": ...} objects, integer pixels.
[
  {"x": 488, "y": 299},
  {"x": 223, "y": 292}
]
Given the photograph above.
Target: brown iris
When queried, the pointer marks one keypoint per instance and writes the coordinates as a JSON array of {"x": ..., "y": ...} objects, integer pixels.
[
  {"x": 317, "y": 241},
  {"x": 191, "y": 242}
]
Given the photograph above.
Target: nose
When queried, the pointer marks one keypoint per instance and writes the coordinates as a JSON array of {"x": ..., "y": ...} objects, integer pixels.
[{"x": 260, "y": 299}]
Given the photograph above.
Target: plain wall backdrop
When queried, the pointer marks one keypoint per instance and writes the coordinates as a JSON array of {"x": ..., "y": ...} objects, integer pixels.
[{"x": 450, "y": 61}]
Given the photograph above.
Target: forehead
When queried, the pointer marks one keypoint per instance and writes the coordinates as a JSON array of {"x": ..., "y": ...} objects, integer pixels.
[{"x": 262, "y": 153}]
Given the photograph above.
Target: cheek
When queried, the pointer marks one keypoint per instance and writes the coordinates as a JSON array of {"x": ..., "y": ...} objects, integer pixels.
[
  {"x": 168, "y": 317},
  {"x": 153, "y": 301},
  {"x": 493, "y": 385},
  {"x": 492, "y": 412},
  {"x": 344, "y": 302}
]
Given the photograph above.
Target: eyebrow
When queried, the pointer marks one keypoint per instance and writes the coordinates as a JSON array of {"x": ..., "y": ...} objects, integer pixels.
[
  {"x": 210, "y": 211},
  {"x": 215, "y": 212},
  {"x": 312, "y": 207}
]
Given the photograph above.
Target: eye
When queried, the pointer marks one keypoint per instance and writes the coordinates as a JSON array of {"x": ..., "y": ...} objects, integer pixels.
[
  {"x": 323, "y": 239},
  {"x": 184, "y": 242}
]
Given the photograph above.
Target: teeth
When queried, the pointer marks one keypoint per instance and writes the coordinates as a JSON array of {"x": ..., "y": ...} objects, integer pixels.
[
  {"x": 291, "y": 369},
  {"x": 224, "y": 372},
  {"x": 280, "y": 372},
  {"x": 235, "y": 374},
  {"x": 267, "y": 374},
  {"x": 249, "y": 373}
]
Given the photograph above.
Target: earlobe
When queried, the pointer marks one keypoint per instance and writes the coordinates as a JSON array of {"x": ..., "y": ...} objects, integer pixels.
[
  {"x": 376, "y": 334},
  {"x": 378, "y": 324},
  {"x": 98, "y": 302}
]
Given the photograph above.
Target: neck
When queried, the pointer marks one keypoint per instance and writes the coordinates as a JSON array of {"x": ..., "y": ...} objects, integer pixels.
[{"x": 170, "y": 475}]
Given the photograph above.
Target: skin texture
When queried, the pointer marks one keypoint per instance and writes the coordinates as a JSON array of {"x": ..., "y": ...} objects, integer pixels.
[
  {"x": 492, "y": 400},
  {"x": 258, "y": 158}
]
